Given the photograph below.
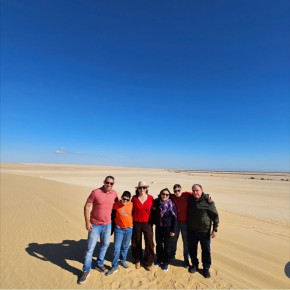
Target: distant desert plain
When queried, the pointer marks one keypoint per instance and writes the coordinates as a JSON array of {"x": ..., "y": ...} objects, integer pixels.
[{"x": 43, "y": 235}]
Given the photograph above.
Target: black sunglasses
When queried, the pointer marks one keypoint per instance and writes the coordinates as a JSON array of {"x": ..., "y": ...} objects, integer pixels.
[
  {"x": 178, "y": 190},
  {"x": 142, "y": 187},
  {"x": 165, "y": 194},
  {"x": 111, "y": 183},
  {"x": 126, "y": 199}
]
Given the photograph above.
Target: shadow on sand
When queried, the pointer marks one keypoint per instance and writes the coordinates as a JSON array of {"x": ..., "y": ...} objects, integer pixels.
[{"x": 58, "y": 254}]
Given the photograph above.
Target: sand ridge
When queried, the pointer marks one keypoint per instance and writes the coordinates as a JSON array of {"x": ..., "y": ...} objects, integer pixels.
[{"x": 43, "y": 236}]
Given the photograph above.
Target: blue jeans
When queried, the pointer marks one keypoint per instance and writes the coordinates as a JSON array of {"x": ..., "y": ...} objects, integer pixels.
[
  {"x": 122, "y": 238},
  {"x": 181, "y": 227},
  {"x": 104, "y": 231}
]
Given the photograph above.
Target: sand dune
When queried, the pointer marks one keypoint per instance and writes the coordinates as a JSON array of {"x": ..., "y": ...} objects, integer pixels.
[{"x": 43, "y": 236}]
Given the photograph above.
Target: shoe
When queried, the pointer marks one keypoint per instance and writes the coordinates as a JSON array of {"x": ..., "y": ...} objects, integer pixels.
[
  {"x": 101, "y": 269},
  {"x": 138, "y": 265},
  {"x": 165, "y": 267},
  {"x": 124, "y": 265},
  {"x": 192, "y": 269},
  {"x": 111, "y": 271},
  {"x": 206, "y": 273},
  {"x": 82, "y": 279},
  {"x": 186, "y": 264},
  {"x": 157, "y": 264},
  {"x": 148, "y": 268}
]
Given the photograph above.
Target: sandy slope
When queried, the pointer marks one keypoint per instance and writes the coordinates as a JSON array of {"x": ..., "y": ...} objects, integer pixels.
[{"x": 43, "y": 237}]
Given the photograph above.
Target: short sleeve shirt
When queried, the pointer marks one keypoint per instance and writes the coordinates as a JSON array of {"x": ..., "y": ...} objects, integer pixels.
[
  {"x": 102, "y": 206},
  {"x": 124, "y": 217}
]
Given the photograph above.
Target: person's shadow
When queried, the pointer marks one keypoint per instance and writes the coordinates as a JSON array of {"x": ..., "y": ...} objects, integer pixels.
[{"x": 58, "y": 254}]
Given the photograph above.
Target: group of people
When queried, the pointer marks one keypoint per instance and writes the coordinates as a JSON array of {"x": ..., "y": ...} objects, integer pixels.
[{"x": 193, "y": 214}]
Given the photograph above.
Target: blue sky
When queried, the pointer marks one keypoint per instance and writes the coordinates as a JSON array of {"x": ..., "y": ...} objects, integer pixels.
[{"x": 163, "y": 84}]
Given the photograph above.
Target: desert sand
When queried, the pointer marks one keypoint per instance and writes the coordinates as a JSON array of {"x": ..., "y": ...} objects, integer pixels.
[{"x": 43, "y": 235}]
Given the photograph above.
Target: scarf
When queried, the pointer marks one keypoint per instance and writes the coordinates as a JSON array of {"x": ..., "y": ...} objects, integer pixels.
[{"x": 164, "y": 206}]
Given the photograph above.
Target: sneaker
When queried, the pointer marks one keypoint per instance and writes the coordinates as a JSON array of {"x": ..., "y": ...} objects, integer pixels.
[
  {"x": 157, "y": 264},
  {"x": 101, "y": 269},
  {"x": 82, "y": 279},
  {"x": 138, "y": 265},
  {"x": 125, "y": 265},
  {"x": 148, "y": 268},
  {"x": 111, "y": 271},
  {"x": 206, "y": 273},
  {"x": 165, "y": 267},
  {"x": 192, "y": 269}
]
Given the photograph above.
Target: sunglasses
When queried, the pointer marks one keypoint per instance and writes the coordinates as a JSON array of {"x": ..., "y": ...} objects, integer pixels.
[
  {"x": 178, "y": 190},
  {"x": 142, "y": 187},
  {"x": 111, "y": 183},
  {"x": 126, "y": 199},
  {"x": 165, "y": 194}
]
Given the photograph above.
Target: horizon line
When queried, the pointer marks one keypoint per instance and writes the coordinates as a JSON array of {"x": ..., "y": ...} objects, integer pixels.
[{"x": 172, "y": 169}]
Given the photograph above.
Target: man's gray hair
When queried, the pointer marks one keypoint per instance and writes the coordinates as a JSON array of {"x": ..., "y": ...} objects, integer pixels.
[{"x": 196, "y": 184}]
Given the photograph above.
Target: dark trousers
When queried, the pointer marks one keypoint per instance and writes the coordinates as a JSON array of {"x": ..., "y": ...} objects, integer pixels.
[
  {"x": 204, "y": 239},
  {"x": 163, "y": 241},
  {"x": 146, "y": 229}
]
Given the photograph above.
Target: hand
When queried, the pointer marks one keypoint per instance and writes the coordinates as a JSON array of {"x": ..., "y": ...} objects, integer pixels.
[
  {"x": 172, "y": 234},
  {"x": 213, "y": 234},
  {"x": 89, "y": 226},
  {"x": 210, "y": 199}
]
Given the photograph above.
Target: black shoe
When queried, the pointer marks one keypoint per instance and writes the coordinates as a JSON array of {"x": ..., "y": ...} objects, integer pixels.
[
  {"x": 165, "y": 267},
  {"x": 192, "y": 269},
  {"x": 111, "y": 271},
  {"x": 206, "y": 273},
  {"x": 125, "y": 265},
  {"x": 82, "y": 279},
  {"x": 157, "y": 264},
  {"x": 101, "y": 269}
]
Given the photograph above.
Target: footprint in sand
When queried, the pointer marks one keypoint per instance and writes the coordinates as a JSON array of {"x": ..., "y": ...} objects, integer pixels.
[
  {"x": 215, "y": 272},
  {"x": 114, "y": 285},
  {"x": 225, "y": 285},
  {"x": 217, "y": 285},
  {"x": 178, "y": 285}
]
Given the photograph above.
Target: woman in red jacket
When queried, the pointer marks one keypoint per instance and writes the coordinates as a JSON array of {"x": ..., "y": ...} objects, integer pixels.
[{"x": 142, "y": 203}]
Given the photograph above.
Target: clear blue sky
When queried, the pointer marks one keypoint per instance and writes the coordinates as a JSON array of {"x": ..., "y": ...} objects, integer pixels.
[{"x": 197, "y": 84}]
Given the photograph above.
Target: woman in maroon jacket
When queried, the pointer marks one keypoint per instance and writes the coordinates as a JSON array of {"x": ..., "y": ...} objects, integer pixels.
[{"x": 142, "y": 203}]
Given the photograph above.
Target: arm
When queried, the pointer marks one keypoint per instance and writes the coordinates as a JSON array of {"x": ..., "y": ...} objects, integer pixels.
[
  {"x": 215, "y": 219},
  {"x": 113, "y": 216},
  {"x": 87, "y": 206},
  {"x": 153, "y": 213},
  {"x": 173, "y": 222}
]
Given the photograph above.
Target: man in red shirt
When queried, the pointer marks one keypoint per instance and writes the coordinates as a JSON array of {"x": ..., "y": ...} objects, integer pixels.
[
  {"x": 180, "y": 200},
  {"x": 98, "y": 223}
]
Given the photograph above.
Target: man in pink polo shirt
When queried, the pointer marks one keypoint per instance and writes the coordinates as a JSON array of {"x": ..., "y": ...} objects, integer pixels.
[{"x": 98, "y": 223}]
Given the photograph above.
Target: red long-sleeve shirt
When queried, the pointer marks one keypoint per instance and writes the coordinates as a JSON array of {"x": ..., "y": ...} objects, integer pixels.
[
  {"x": 181, "y": 203},
  {"x": 141, "y": 212}
]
